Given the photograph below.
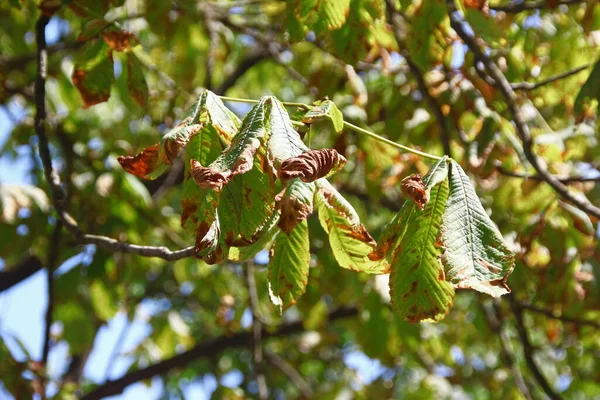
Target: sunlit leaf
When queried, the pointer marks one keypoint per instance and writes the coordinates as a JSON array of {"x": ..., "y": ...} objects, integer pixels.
[
  {"x": 93, "y": 73},
  {"x": 475, "y": 256},
  {"x": 350, "y": 242},
  {"x": 288, "y": 266}
]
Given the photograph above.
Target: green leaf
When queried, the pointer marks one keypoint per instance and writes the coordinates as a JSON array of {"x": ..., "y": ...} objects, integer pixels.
[
  {"x": 266, "y": 236},
  {"x": 288, "y": 267},
  {"x": 103, "y": 301},
  {"x": 590, "y": 89},
  {"x": 136, "y": 83},
  {"x": 324, "y": 118},
  {"x": 418, "y": 288},
  {"x": 93, "y": 73},
  {"x": 393, "y": 234},
  {"x": 350, "y": 242},
  {"x": 284, "y": 142},
  {"x": 476, "y": 256}
]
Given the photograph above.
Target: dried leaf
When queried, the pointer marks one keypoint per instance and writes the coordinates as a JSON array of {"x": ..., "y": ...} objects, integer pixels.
[
  {"x": 93, "y": 73},
  {"x": 414, "y": 188},
  {"x": 120, "y": 40},
  {"x": 144, "y": 164},
  {"x": 210, "y": 178},
  {"x": 311, "y": 165}
]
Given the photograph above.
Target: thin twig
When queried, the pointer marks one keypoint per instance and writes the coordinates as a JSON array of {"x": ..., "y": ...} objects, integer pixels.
[
  {"x": 206, "y": 349},
  {"x": 528, "y": 350},
  {"x": 291, "y": 373},
  {"x": 256, "y": 342},
  {"x": 116, "y": 349},
  {"x": 522, "y": 128},
  {"x": 563, "y": 179},
  {"x": 496, "y": 324},
  {"x": 527, "y": 86},
  {"x": 563, "y": 318}
]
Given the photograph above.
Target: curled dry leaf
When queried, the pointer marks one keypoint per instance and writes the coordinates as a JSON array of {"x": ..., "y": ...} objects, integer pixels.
[
  {"x": 414, "y": 188},
  {"x": 179, "y": 138},
  {"x": 209, "y": 178},
  {"x": 311, "y": 165},
  {"x": 142, "y": 164}
]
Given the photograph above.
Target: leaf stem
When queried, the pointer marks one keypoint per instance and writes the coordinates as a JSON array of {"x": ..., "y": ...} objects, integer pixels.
[
  {"x": 389, "y": 142},
  {"x": 346, "y": 124},
  {"x": 285, "y": 103}
]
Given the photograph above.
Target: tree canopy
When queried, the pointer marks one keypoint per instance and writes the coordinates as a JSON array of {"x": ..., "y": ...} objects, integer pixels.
[{"x": 298, "y": 199}]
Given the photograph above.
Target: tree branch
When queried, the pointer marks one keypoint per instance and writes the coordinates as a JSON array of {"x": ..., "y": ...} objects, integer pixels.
[
  {"x": 531, "y": 5},
  {"x": 291, "y": 373},
  {"x": 496, "y": 322},
  {"x": 528, "y": 350},
  {"x": 522, "y": 128},
  {"x": 19, "y": 272},
  {"x": 256, "y": 342},
  {"x": 527, "y": 86},
  {"x": 563, "y": 318},
  {"x": 562, "y": 179},
  {"x": 207, "y": 349}
]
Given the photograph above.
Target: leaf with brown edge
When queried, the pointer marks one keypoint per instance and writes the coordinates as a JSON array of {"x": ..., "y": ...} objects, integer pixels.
[
  {"x": 93, "y": 73},
  {"x": 311, "y": 165},
  {"x": 418, "y": 288},
  {"x": 145, "y": 164},
  {"x": 394, "y": 232},
  {"x": 208, "y": 246},
  {"x": 350, "y": 241},
  {"x": 295, "y": 204},
  {"x": 413, "y": 188},
  {"x": 288, "y": 267}
]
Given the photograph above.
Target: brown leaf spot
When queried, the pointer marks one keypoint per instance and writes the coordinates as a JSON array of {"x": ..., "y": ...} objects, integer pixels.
[
  {"x": 189, "y": 207},
  {"x": 120, "y": 40},
  {"x": 142, "y": 163},
  {"x": 89, "y": 97},
  {"x": 311, "y": 165},
  {"x": 49, "y": 7},
  {"x": 414, "y": 189},
  {"x": 293, "y": 211}
]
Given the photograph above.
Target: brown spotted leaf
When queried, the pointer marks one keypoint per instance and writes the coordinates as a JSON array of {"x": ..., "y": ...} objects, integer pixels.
[
  {"x": 414, "y": 188},
  {"x": 311, "y": 165},
  {"x": 288, "y": 266},
  {"x": 295, "y": 204},
  {"x": 93, "y": 73},
  {"x": 418, "y": 288},
  {"x": 136, "y": 82},
  {"x": 350, "y": 242}
]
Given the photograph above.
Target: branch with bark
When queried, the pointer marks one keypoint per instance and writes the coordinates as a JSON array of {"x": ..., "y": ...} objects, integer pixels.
[
  {"x": 203, "y": 350},
  {"x": 521, "y": 126}
]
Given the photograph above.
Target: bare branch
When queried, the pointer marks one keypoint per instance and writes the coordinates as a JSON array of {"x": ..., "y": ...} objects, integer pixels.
[
  {"x": 18, "y": 273},
  {"x": 528, "y": 350},
  {"x": 563, "y": 318},
  {"x": 531, "y": 5},
  {"x": 291, "y": 373},
  {"x": 52, "y": 261},
  {"x": 207, "y": 349},
  {"x": 496, "y": 322},
  {"x": 522, "y": 128},
  {"x": 256, "y": 342},
  {"x": 563, "y": 179},
  {"x": 527, "y": 86}
]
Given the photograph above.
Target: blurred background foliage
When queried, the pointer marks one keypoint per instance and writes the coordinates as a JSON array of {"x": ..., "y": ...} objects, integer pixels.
[{"x": 302, "y": 51}]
